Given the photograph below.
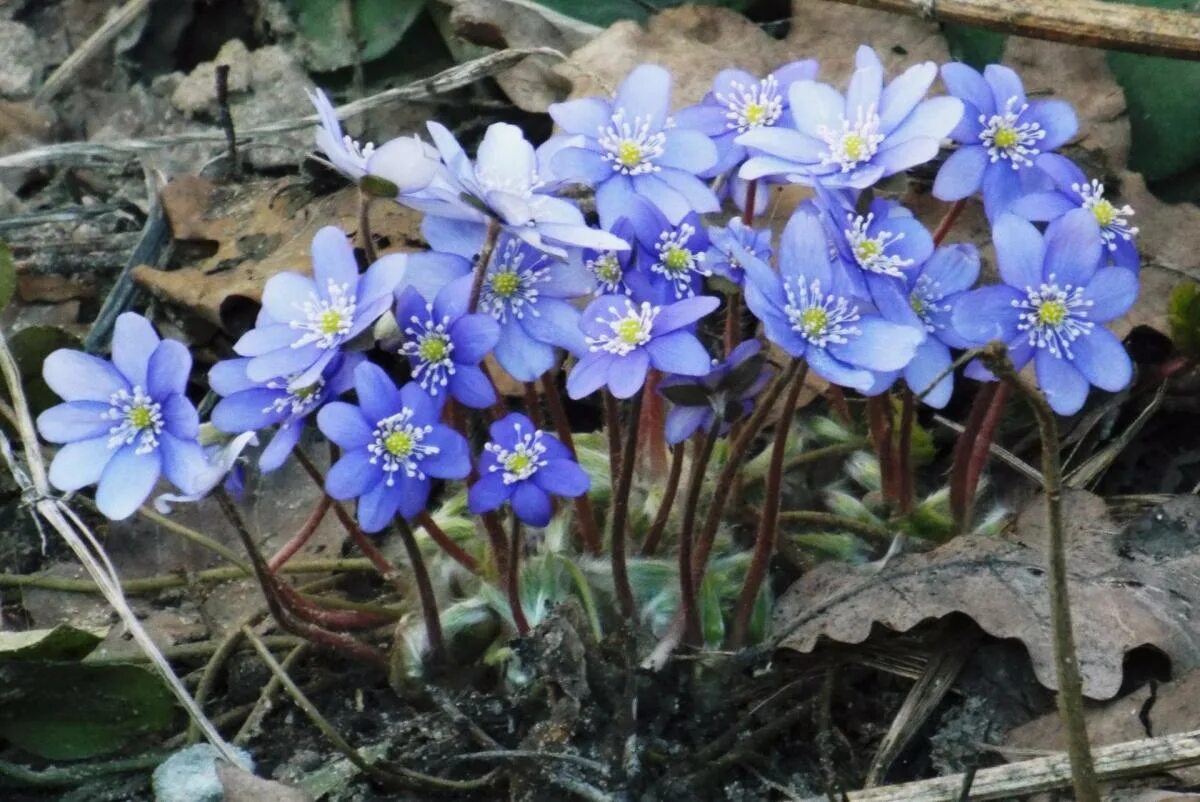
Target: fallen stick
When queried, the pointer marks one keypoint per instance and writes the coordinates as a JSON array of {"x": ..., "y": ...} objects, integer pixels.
[
  {"x": 1093, "y": 23},
  {"x": 1115, "y": 762},
  {"x": 91, "y": 46}
]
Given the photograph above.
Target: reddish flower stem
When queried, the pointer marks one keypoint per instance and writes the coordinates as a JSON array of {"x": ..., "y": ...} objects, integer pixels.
[
  {"x": 947, "y": 222},
  {"x": 764, "y": 543},
  {"x": 837, "y": 401},
  {"x": 302, "y": 536},
  {"x": 439, "y": 536},
  {"x": 904, "y": 468},
  {"x": 533, "y": 405},
  {"x": 491, "y": 524},
  {"x": 688, "y": 606},
  {"x": 513, "y": 583},
  {"x": 654, "y": 536},
  {"x": 733, "y": 321},
  {"x": 481, "y": 265},
  {"x": 429, "y": 608},
  {"x": 620, "y": 510},
  {"x": 981, "y": 448},
  {"x": 960, "y": 502},
  {"x": 653, "y": 425},
  {"x": 584, "y": 512},
  {"x": 879, "y": 419},
  {"x": 612, "y": 426}
]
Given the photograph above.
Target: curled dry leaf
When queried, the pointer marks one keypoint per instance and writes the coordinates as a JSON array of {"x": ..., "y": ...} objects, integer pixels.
[{"x": 1128, "y": 589}]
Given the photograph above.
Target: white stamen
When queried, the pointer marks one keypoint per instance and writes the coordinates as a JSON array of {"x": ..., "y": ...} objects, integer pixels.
[
  {"x": 139, "y": 418},
  {"x": 398, "y": 445},
  {"x": 428, "y": 343},
  {"x": 1006, "y": 137},
  {"x": 1054, "y": 316},
  {"x": 926, "y": 299},
  {"x": 632, "y": 147},
  {"x": 871, "y": 252},
  {"x": 1113, "y": 219},
  {"x": 630, "y": 329},
  {"x": 753, "y": 106},
  {"x": 326, "y": 322},
  {"x": 523, "y": 461},
  {"x": 676, "y": 262},
  {"x": 510, "y": 287},
  {"x": 820, "y": 319},
  {"x": 299, "y": 401},
  {"x": 854, "y": 143}
]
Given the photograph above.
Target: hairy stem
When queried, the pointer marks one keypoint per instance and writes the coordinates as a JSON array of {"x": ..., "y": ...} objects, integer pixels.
[
  {"x": 481, "y": 266},
  {"x": 302, "y": 536},
  {"x": 947, "y": 222},
  {"x": 612, "y": 426},
  {"x": 663, "y": 515},
  {"x": 584, "y": 512},
  {"x": 620, "y": 510},
  {"x": 533, "y": 406},
  {"x": 879, "y": 419},
  {"x": 513, "y": 579},
  {"x": 1070, "y": 686},
  {"x": 429, "y": 606},
  {"x": 904, "y": 466},
  {"x": 961, "y": 500},
  {"x": 446, "y": 544},
  {"x": 764, "y": 543},
  {"x": 688, "y": 606},
  {"x": 653, "y": 425}
]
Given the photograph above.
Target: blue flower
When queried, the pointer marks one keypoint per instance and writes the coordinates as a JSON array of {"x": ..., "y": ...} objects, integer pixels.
[
  {"x": 1073, "y": 190},
  {"x": 739, "y": 102},
  {"x": 525, "y": 291},
  {"x": 853, "y": 141},
  {"x": 634, "y": 154},
  {"x": 393, "y": 446},
  {"x": 671, "y": 264},
  {"x": 248, "y": 406},
  {"x": 878, "y": 250},
  {"x": 685, "y": 420},
  {"x": 508, "y": 183},
  {"x": 1051, "y": 306},
  {"x": 809, "y": 310},
  {"x": 611, "y": 269},
  {"x": 407, "y": 162},
  {"x": 1000, "y": 135},
  {"x": 624, "y": 339},
  {"x": 525, "y": 466},
  {"x": 726, "y": 240},
  {"x": 125, "y": 422},
  {"x": 445, "y": 344},
  {"x": 305, "y": 321}
]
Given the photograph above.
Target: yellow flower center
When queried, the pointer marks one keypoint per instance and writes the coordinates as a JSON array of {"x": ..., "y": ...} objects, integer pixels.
[
  {"x": 854, "y": 145},
  {"x": 754, "y": 113},
  {"x": 608, "y": 269},
  {"x": 867, "y": 249},
  {"x": 1052, "y": 313},
  {"x": 629, "y": 153},
  {"x": 517, "y": 462},
  {"x": 1104, "y": 212},
  {"x": 330, "y": 322},
  {"x": 1005, "y": 137},
  {"x": 399, "y": 444},
  {"x": 814, "y": 320},
  {"x": 629, "y": 331},
  {"x": 677, "y": 259},
  {"x": 140, "y": 418},
  {"x": 506, "y": 284},
  {"x": 433, "y": 348},
  {"x": 917, "y": 304}
]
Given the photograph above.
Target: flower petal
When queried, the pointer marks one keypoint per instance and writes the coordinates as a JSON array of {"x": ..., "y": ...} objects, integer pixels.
[
  {"x": 966, "y": 83},
  {"x": 133, "y": 341},
  {"x": 1102, "y": 360},
  {"x": 470, "y": 386},
  {"x": 247, "y": 411},
  {"x": 1112, "y": 292},
  {"x": 931, "y": 360},
  {"x": 679, "y": 353},
  {"x": 645, "y": 96},
  {"x": 583, "y": 116},
  {"x": 557, "y": 323},
  {"x": 377, "y": 507},
  {"x": 683, "y": 313},
  {"x": 377, "y": 394},
  {"x": 1020, "y": 252},
  {"x": 961, "y": 174},
  {"x": 1073, "y": 248},
  {"x": 345, "y": 425},
  {"x": 683, "y": 422},
  {"x": 902, "y": 95},
  {"x": 169, "y": 368},
  {"x": 687, "y": 150},
  {"x": 588, "y": 375},
  {"x": 229, "y": 376},
  {"x": 264, "y": 339},
  {"x": 521, "y": 356},
  {"x": 1063, "y": 385},
  {"x": 531, "y": 504},
  {"x": 75, "y": 420},
  {"x": 627, "y": 374},
  {"x": 183, "y": 463},
  {"x": 126, "y": 481},
  {"x": 987, "y": 314},
  {"x": 834, "y": 370},
  {"x": 80, "y": 464},
  {"x": 473, "y": 336},
  {"x": 333, "y": 259},
  {"x": 489, "y": 493},
  {"x": 352, "y": 475},
  {"x": 180, "y": 417},
  {"x": 285, "y": 294},
  {"x": 1005, "y": 84},
  {"x": 76, "y": 376},
  {"x": 280, "y": 448},
  {"x": 1057, "y": 119},
  {"x": 883, "y": 345},
  {"x": 815, "y": 106}
]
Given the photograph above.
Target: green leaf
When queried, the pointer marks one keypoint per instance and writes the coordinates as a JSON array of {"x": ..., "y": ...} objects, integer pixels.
[
  {"x": 606, "y": 12},
  {"x": 1161, "y": 97},
  {"x": 8, "y": 275},
  {"x": 30, "y": 347},
  {"x": 64, "y": 642},
  {"x": 330, "y": 33},
  {"x": 712, "y": 623},
  {"x": 1183, "y": 317},
  {"x": 73, "y": 711},
  {"x": 975, "y": 46}
]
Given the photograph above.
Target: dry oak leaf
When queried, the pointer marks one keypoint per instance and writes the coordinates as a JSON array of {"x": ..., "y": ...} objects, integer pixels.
[
  {"x": 1139, "y": 587},
  {"x": 258, "y": 229}
]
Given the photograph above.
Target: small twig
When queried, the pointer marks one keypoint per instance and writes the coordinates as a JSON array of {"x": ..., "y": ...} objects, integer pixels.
[
  {"x": 225, "y": 119},
  {"x": 482, "y": 262},
  {"x": 364, "y": 226},
  {"x": 263, "y": 704},
  {"x": 947, "y": 222},
  {"x": 1070, "y": 692},
  {"x": 446, "y": 544},
  {"x": 89, "y": 48},
  {"x": 503, "y": 755}
]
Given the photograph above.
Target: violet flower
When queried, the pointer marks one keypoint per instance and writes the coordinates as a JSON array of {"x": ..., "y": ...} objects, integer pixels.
[
  {"x": 393, "y": 447},
  {"x": 508, "y": 184},
  {"x": 525, "y": 291},
  {"x": 525, "y": 466},
  {"x": 248, "y": 406},
  {"x": 671, "y": 264},
  {"x": 735, "y": 235},
  {"x": 125, "y": 422},
  {"x": 633, "y": 154},
  {"x": 853, "y": 141},
  {"x": 809, "y": 310},
  {"x": 624, "y": 339},
  {"x": 728, "y": 389},
  {"x": 1000, "y": 136},
  {"x": 1051, "y": 306},
  {"x": 305, "y": 321},
  {"x": 1073, "y": 190},
  {"x": 445, "y": 344},
  {"x": 407, "y": 163}
]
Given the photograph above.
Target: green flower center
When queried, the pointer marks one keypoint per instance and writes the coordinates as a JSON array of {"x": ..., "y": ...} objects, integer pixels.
[
  {"x": 608, "y": 269},
  {"x": 629, "y": 331},
  {"x": 1104, "y": 212},
  {"x": 140, "y": 418},
  {"x": 677, "y": 259},
  {"x": 1052, "y": 313},
  {"x": 814, "y": 320},
  {"x": 1005, "y": 137},
  {"x": 916, "y": 303},
  {"x": 399, "y": 444},
  {"x": 754, "y": 113},
  {"x": 868, "y": 249},
  {"x": 434, "y": 348},
  {"x": 854, "y": 147},
  {"x": 518, "y": 462},
  {"x": 506, "y": 284},
  {"x": 629, "y": 153},
  {"x": 330, "y": 322}
]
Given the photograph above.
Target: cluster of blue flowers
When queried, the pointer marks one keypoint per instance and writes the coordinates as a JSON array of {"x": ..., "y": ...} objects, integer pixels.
[{"x": 856, "y": 286}]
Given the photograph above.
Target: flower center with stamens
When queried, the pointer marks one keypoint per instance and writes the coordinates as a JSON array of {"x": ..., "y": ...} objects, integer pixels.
[
  {"x": 138, "y": 418},
  {"x": 1113, "y": 219},
  {"x": 628, "y": 331},
  {"x": 399, "y": 445},
  {"x": 428, "y": 343},
  {"x": 854, "y": 143},
  {"x": 820, "y": 319},
  {"x": 926, "y": 299},
  {"x": 525, "y": 458},
  {"x": 1006, "y": 137},
  {"x": 505, "y": 284},
  {"x": 753, "y": 106},
  {"x": 632, "y": 146},
  {"x": 326, "y": 320},
  {"x": 607, "y": 270},
  {"x": 1054, "y": 316},
  {"x": 511, "y": 286},
  {"x": 298, "y": 401},
  {"x": 677, "y": 262},
  {"x": 871, "y": 252}
]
